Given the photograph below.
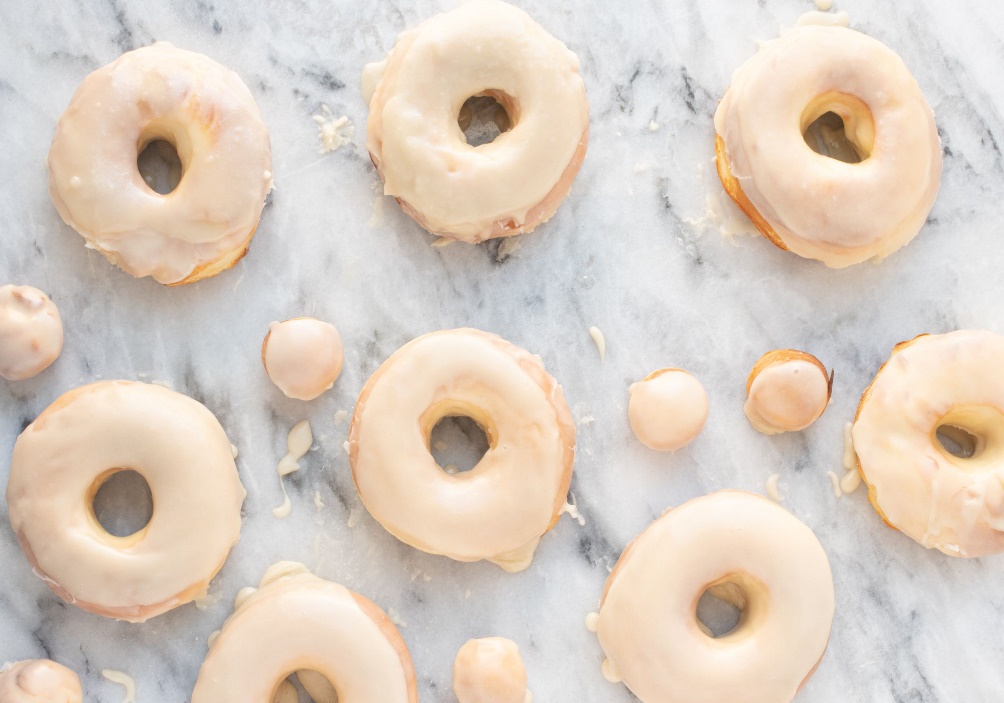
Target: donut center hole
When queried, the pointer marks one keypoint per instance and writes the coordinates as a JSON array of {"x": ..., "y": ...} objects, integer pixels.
[
  {"x": 719, "y": 613},
  {"x": 305, "y": 686},
  {"x": 458, "y": 443},
  {"x": 484, "y": 117},
  {"x": 160, "y": 166},
  {"x": 123, "y": 503},
  {"x": 839, "y": 126},
  {"x": 957, "y": 441}
]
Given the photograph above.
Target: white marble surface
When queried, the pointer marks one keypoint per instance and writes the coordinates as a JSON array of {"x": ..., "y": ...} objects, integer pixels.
[{"x": 911, "y": 625}]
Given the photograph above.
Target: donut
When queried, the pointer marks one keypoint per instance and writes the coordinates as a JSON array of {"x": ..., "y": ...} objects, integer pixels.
[
  {"x": 498, "y": 510},
  {"x": 205, "y": 111},
  {"x": 744, "y": 549},
  {"x": 949, "y": 383},
  {"x": 453, "y": 189},
  {"x": 667, "y": 409},
  {"x": 786, "y": 391},
  {"x": 489, "y": 670},
  {"x": 93, "y": 432},
  {"x": 303, "y": 357},
  {"x": 297, "y": 622},
  {"x": 39, "y": 681},
  {"x": 31, "y": 332},
  {"x": 802, "y": 201}
]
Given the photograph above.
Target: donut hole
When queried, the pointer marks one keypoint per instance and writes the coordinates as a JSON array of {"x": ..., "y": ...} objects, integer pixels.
[
  {"x": 729, "y": 606},
  {"x": 486, "y": 116},
  {"x": 458, "y": 443},
  {"x": 305, "y": 686},
  {"x": 122, "y": 503},
  {"x": 957, "y": 442},
  {"x": 840, "y": 127},
  {"x": 160, "y": 166}
]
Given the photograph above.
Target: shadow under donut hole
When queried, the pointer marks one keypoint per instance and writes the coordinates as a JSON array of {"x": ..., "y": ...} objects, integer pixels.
[
  {"x": 458, "y": 443},
  {"x": 972, "y": 438},
  {"x": 305, "y": 686},
  {"x": 121, "y": 502},
  {"x": 839, "y": 126},
  {"x": 731, "y": 606},
  {"x": 486, "y": 116}
]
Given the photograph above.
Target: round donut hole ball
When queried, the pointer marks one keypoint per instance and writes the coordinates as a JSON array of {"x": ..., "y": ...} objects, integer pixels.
[
  {"x": 159, "y": 165},
  {"x": 121, "y": 502},
  {"x": 486, "y": 116},
  {"x": 667, "y": 409},
  {"x": 458, "y": 443},
  {"x": 489, "y": 670},
  {"x": 303, "y": 357}
]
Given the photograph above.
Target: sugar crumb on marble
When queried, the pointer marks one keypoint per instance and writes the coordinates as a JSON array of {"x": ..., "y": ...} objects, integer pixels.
[{"x": 333, "y": 132}]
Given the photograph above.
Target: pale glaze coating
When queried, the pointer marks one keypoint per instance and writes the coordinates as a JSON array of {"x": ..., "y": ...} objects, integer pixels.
[
  {"x": 31, "y": 332},
  {"x": 207, "y": 113},
  {"x": 489, "y": 670},
  {"x": 667, "y": 409},
  {"x": 943, "y": 502},
  {"x": 819, "y": 207},
  {"x": 747, "y": 550},
  {"x": 39, "y": 681},
  {"x": 296, "y": 621},
  {"x": 449, "y": 187},
  {"x": 92, "y": 432},
  {"x": 787, "y": 391},
  {"x": 302, "y": 356},
  {"x": 498, "y": 510}
]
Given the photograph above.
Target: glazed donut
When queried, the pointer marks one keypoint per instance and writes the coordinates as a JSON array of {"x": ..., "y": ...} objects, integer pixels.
[
  {"x": 667, "y": 409},
  {"x": 205, "y": 111},
  {"x": 74, "y": 446},
  {"x": 500, "y": 509},
  {"x": 39, "y": 681},
  {"x": 303, "y": 357},
  {"x": 951, "y": 381},
  {"x": 297, "y": 622},
  {"x": 786, "y": 391},
  {"x": 818, "y": 207},
  {"x": 746, "y": 550},
  {"x": 31, "y": 332},
  {"x": 490, "y": 670},
  {"x": 513, "y": 184}
]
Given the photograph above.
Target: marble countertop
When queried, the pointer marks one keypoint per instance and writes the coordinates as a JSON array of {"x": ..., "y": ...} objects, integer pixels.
[{"x": 630, "y": 252}]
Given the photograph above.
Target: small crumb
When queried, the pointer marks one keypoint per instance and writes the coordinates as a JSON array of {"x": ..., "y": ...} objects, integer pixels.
[
  {"x": 377, "y": 216},
  {"x": 124, "y": 680},
  {"x": 396, "y": 618},
  {"x": 345, "y": 446},
  {"x": 439, "y": 445},
  {"x": 600, "y": 341},
  {"x": 332, "y": 132},
  {"x": 772, "y": 490},
  {"x": 587, "y": 420},
  {"x": 835, "y": 480},
  {"x": 318, "y": 503},
  {"x": 824, "y": 5},
  {"x": 593, "y": 622},
  {"x": 233, "y": 450},
  {"x": 341, "y": 416},
  {"x": 507, "y": 247},
  {"x": 450, "y": 469},
  {"x": 440, "y": 242},
  {"x": 653, "y": 126}
]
